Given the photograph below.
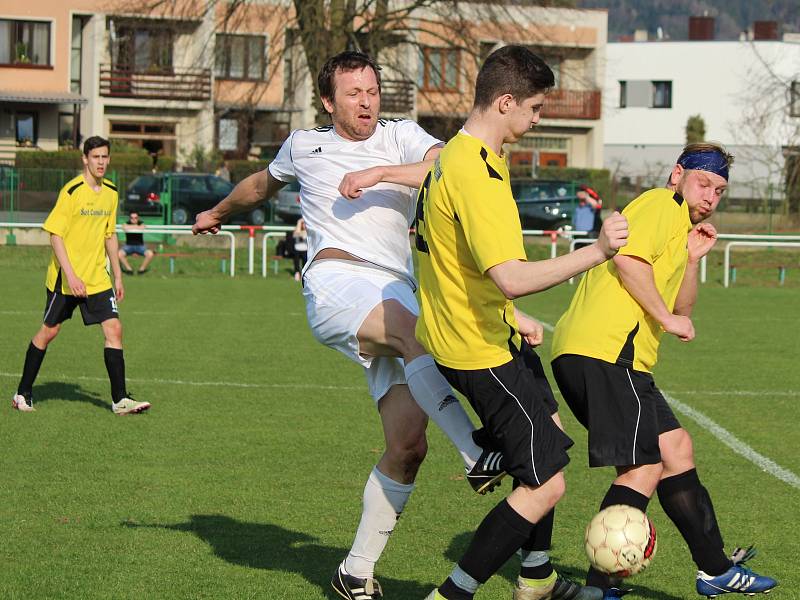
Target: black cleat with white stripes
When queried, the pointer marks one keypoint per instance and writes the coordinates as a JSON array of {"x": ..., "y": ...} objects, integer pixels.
[{"x": 487, "y": 472}]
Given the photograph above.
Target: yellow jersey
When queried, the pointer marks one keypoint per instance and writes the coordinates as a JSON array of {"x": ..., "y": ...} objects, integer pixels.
[
  {"x": 84, "y": 219},
  {"x": 603, "y": 320},
  {"x": 467, "y": 222}
]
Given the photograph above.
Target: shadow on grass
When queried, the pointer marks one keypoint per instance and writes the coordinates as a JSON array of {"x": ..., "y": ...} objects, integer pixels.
[
  {"x": 510, "y": 570},
  {"x": 71, "y": 392},
  {"x": 274, "y": 548}
]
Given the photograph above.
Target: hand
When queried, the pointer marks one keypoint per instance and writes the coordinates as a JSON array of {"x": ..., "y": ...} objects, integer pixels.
[
  {"x": 119, "y": 289},
  {"x": 76, "y": 286},
  {"x": 206, "y": 222},
  {"x": 613, "y": 234},
  {"x": 353, "y": 184},
  {"x": 679, "y": 326},
  {"x": 529, "y": 328},
  {"x": 701, "y": 239}
]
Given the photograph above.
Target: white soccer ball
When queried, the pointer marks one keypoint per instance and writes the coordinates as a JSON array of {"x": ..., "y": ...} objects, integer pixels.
[{"x": 620, "y": 540}]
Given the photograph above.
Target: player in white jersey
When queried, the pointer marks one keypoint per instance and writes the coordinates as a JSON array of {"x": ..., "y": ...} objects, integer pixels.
[{"x": 359, "y": 289}]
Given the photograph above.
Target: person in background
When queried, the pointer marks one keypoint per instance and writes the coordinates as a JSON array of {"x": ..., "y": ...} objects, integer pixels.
[
  {"x": 134, "y": 244},
  {"x": 300, "y": 253},
  {"x": 586, "y": 216}
]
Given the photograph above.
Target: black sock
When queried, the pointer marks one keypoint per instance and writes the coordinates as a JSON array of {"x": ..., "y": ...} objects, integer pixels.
[
  {"x": 33, "y": 361},
  {"x": 539, "y": 540},
  {"x": 616, "y": 494},
  {"x": 115, "y": 365},
  {"x": 452, "y": 592},
  {"x": 688, "y": 505},
  {"x": 501, "y": 533}
]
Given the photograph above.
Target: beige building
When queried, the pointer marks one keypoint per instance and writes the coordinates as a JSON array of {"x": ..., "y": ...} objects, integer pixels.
[{"x": 212, "y": 80}]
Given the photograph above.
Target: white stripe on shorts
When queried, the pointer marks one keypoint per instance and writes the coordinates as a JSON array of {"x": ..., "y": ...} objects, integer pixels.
[
  {"x": 638, "y": 416},
  {"x": 533, "y": 462}
]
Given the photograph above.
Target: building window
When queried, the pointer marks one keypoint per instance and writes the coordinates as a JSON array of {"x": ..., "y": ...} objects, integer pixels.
[
  {"x": 228, "y": 135},
  {"x": 662, "y": 94},
  {"x": 645, "y": 94},
  {"x": 144, "y": 50},
  {"x": 240, "y": 56},
  {"x": 66, "y": 130},
  {"x": 26, "y": 125},
  {"x": 439, "y": 70},
  {"x": 794, "y": 102},
  {"x": 76, "y": 54},
  {"x": 24, "y": 43}
]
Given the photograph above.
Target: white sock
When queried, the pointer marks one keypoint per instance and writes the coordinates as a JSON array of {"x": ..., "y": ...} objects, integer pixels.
[
  {"x": 532, "y": 558},
  {"x": 384, "y": 500},
  {"x": 435, "y": 396}
]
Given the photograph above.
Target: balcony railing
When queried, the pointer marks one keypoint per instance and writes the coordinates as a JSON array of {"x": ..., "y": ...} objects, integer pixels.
[
  {"x": 397, "y": 96},
  {"x": 572, "y": 104},
  {"x": 177, "y": 84}
]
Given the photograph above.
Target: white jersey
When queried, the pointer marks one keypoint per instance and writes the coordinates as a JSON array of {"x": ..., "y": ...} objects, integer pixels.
[{"x": 373, "y": 227}]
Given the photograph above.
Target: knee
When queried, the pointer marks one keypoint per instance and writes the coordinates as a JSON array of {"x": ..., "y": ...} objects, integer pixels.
[
  {"x": 149, "y": 253},
  {"x": 409, "y": 452},
  {"x": 48, "y": 334},
  {"x": 642, "y": 478},
  {"x": 113, "y": 332},
  {"x": 121, "y": 254},
  {"x": 677, "y": 451},
  {"x": 555, "y": 488}
]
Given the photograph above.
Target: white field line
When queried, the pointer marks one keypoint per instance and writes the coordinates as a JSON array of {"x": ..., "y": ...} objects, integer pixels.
[
  {"x": 726, "y": 437},
  {"x": 231, "y": 384},
  {"x": 735, "y": 444}
]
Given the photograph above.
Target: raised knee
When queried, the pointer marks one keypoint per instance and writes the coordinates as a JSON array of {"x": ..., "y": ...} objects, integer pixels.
[{"x": 409, "y": 454}]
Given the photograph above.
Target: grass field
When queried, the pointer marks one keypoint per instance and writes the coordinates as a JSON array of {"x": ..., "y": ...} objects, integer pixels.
[{"x": 244, "y": 479}]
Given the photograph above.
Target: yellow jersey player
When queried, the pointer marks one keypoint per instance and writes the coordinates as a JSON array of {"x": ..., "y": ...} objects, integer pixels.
[{"x": 82, "y": 233}]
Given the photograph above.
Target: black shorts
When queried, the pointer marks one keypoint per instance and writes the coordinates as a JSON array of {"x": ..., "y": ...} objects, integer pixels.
[
  {"x": 95, "y": 308},
  {"x": 516, "y": 417},
  {"x": 622, "y": 409}
]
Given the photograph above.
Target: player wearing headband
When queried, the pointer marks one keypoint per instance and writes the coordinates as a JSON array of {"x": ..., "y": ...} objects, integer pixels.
[{"x": 605, "y": 347}]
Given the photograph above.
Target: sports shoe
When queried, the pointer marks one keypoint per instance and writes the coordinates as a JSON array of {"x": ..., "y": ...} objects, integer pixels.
[
  {"x": 354, "y": 588},
  {"x": 22, "y": 403},
  {"x": 736, "y": 580},
  {"x": 129, "y": 406},
  {"x": 486, "y": 474},
  {"x": 560, "y": 589},
  {"x": 613, "y": 592},
  {"x": 435, "y": 595}
]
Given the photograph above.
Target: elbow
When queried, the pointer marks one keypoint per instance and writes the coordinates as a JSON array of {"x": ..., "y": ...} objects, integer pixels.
[{"x": 509, "y": 288}]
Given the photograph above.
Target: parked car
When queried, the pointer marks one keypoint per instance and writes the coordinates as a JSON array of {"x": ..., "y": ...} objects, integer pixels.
[
  {"x": 192, "y": 193},
  {"x": 544, "y": 204},
  {"x": 287, "y": 203}
]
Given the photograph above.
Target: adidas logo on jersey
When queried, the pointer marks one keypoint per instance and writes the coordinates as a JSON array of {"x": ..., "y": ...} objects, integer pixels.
[{"x": 315, "y": 151}]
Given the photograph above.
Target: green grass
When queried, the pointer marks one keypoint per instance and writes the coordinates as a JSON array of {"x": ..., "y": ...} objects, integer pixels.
[{"x": 244, "y": 480}]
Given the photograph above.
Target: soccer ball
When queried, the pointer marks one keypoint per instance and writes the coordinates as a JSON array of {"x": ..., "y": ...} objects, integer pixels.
[{"x": 620, "y": 540}]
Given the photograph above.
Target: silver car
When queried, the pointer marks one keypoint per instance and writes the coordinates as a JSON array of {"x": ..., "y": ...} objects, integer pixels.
[{"x": 287, "y": 203}]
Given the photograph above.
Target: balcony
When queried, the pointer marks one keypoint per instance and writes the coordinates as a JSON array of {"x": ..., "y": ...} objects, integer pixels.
[
  {"x": 572, "y": 104},
  {"x": 397, "y": 96},
  {"x": 177, "y": 84}
]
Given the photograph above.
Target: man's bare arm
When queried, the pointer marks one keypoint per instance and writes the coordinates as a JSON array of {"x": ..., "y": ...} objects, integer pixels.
[
  {"x": 248, "y": 193},
  {"x": 516, "y": 278},
  {"x": 411, "y": 175},
  {"x": 637, "y": 277}
]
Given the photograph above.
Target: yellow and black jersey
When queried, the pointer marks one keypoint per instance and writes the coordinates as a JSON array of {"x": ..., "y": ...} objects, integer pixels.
[
  {"x": 84, "y": 219},
  {"x": 467, "y": 222},
  {"x": 604, "y": 321}
]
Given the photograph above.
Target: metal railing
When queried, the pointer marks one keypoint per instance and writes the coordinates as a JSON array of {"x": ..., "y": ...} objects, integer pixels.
[
  {"x": 572, "y": 104},
  {"x": 730, "y": 245},
  {"x": 118, "y": 81}
]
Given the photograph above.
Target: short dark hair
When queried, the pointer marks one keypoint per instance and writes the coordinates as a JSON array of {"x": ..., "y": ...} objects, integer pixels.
[
  {"x": 94, "y": 142},
  {"x": 511, "y": 70},
  {"x": 345, "y": 61}
]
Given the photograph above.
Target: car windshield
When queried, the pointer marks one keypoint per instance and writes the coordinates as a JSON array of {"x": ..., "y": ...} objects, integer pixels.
[{"x": 541, "y": 190}]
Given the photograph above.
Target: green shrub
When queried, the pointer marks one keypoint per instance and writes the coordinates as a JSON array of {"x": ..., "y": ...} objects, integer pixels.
[
  {"x": 240, "y": 169},
  {"x": 599, "y": 179}
]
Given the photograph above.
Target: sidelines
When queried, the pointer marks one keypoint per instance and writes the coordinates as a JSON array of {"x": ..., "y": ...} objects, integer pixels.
[{"x": 727, "y": 438}]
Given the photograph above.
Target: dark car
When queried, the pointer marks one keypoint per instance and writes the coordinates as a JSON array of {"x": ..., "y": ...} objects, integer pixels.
[
  {"x": 287, "y": 203},
  {"x": 544, "y": 204},
  {"x": 192, "y": 193}
]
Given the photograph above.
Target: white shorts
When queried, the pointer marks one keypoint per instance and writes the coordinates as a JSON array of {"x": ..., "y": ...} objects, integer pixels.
[{"x": 339, "y": 295}]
